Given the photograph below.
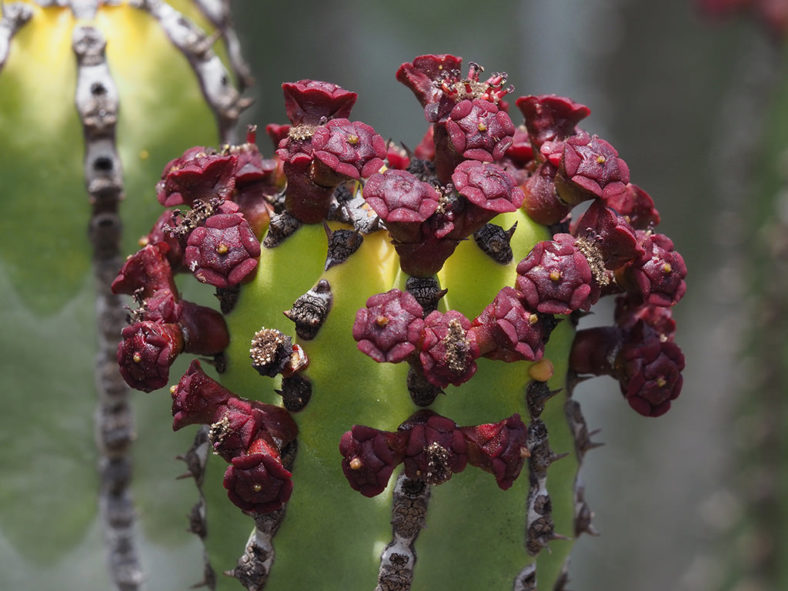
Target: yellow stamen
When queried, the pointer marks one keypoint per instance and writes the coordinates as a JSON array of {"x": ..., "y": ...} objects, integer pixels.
[
  {"x": 600, "y": 159},
  {"x": 666, "y": 268},
  {"x": 222, "y": 248},
  {"x": 555, "y": 275},
  {"x": 355, "y": 464},
  {"x": 352, "y": 139},
  {"x": 136, "y": 358}
]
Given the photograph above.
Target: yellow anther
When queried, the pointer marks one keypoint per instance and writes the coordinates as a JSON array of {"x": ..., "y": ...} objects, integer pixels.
[
  {"x": 355, "y": 464},
  {"x": 481, "y": 126},
  {"x": 600, "y": 159},
  {"x": 666, "y": 268},
  {"x": 222, "y": 248},
  {"x": 136, "y": 358},
  {"x": 352, "y": 139},
  {"x": 541, "y": 371},
  {"x": 555, "y": 275}
]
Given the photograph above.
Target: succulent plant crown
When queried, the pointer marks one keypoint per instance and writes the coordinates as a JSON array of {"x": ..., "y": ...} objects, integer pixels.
[{"x": 358, "y": 281}]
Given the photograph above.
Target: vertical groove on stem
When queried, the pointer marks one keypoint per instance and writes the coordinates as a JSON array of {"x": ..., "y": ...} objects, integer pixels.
[{"x": 97, "y": 103}]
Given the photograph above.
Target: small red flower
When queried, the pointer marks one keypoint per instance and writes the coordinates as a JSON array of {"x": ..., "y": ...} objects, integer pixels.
[
  {"x": 487, "y": 186},
  {"x": 424, "y": 74},
  {"x": 144, "y": 273},
  {"x": 448, "y": 350},
  {"x": 369, "y": 457},
  {"x": 555, "y": 278},
  {"x": 636, "y": 206},
  {"x": 588, "y": 167},
  {"x": 223, "y": 252},
  {"x": 258, "y": 483},
  {"x": 551, "y": 117},
  {"x": 436, "y": 447},
  {"x": 650, "y": 371},
  {"x": 479, "y": 130},
  {"x": 197, "y": 398},
  {"x": 199, "y": 173},
  {"x": 658, "y": 275},
  {"x": 308, "y": 102},
  {"x": 390, "y": 326},
  {"x": 506, "y": 330},
  {"x": 147, "y": 351},
  {"x": 349, "y": 148},
  {"x": 541, "y": 202},
  {"x": 609, "y": 233},
  {"x": 498, "y": 448}
]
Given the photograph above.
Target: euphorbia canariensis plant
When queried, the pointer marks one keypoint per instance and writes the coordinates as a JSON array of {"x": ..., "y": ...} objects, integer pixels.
[{"x": 391, "y": 391}]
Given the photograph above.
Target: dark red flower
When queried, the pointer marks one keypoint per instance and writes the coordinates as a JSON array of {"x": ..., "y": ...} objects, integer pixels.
[
  {"x": 200, "y": 173},
  {"x": 589, "y": 167},
  {"x": 402, "y": 201},
  {"x": 487, "y": 186},
  {"x": 424, "y": 74},
  {"x": 223, "y": 252},
  {"x": 631, "y": 309},
  {"x": 369, "y": 456},
  {"x": 308, "y": 102},
  {"x": 608, "y": 233},
  {"x": 349, "y": 148},
  {"x": 258, "y": 483},
  {"x": 147, "y": 351},
  {"x": 197, "y": 399},
  {"x": 636, "y": 206},
  {"x": 506, "y": 330},
  {"x": 498, "y": 448},
  {"x": 555, "y": 278},
  {"x": 436, "y": 448},
  {"x": 390, "y": 326},
  {"x": 479, "y": 130},
  {"x": 448, "y": 350},
  {"x": 550, "y": 117},
  {"x": 650, "y": 371},
  {"x": 658, "y": 275},
  {"x": 162, "y": 236},
  {"x": 144, "y": 273}
]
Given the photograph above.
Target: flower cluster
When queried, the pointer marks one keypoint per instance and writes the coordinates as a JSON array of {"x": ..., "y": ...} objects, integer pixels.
[
  {"x": 432, "y": 448},
  {"x": 473, "y": 164},
  {"x": 248, "y": 434}
]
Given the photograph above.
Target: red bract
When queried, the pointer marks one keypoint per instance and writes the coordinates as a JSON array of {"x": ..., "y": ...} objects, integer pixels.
[
  {"x": 435, "y": 449},
  {"x": 448, "y": 350},
  {"x": 479, "y": 130},
  {"x": 505, "y": 330},
  {"x": 199, "y": 173},
  {"x": 197, "y": 398},
  {"x": 609, "y": 233},
  {"x": 521, "y": 152},
  {"x": 258, "y": 483},
  {"x": 498, "y": 448},
  {"x": 650, "y": 371},
  {"x": 369, "y": 456},
  {"x": 658, "y": 275},
  {"x": 223, "y": 252},
  {"x": 588, "y": 167},
  {"x": 487, "y": 186},
  {"x": 144, "y": 273},
  {"x": 307, "y": 102},
  {"x": 549, "y": 117},
  {"x": 555, "y": 278},
  {"x": 389, "y": 328},
  {"x": 204, "y": 329},
  {"x": 147, "y": 351},
  {"x": 397, "y": 158},
  {"x": 541, "y": 201},
  {"x": 349, "y": 148}
]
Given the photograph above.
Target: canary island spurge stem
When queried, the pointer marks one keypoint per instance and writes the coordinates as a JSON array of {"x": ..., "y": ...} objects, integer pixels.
[{"x": 406, "y": 419}]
